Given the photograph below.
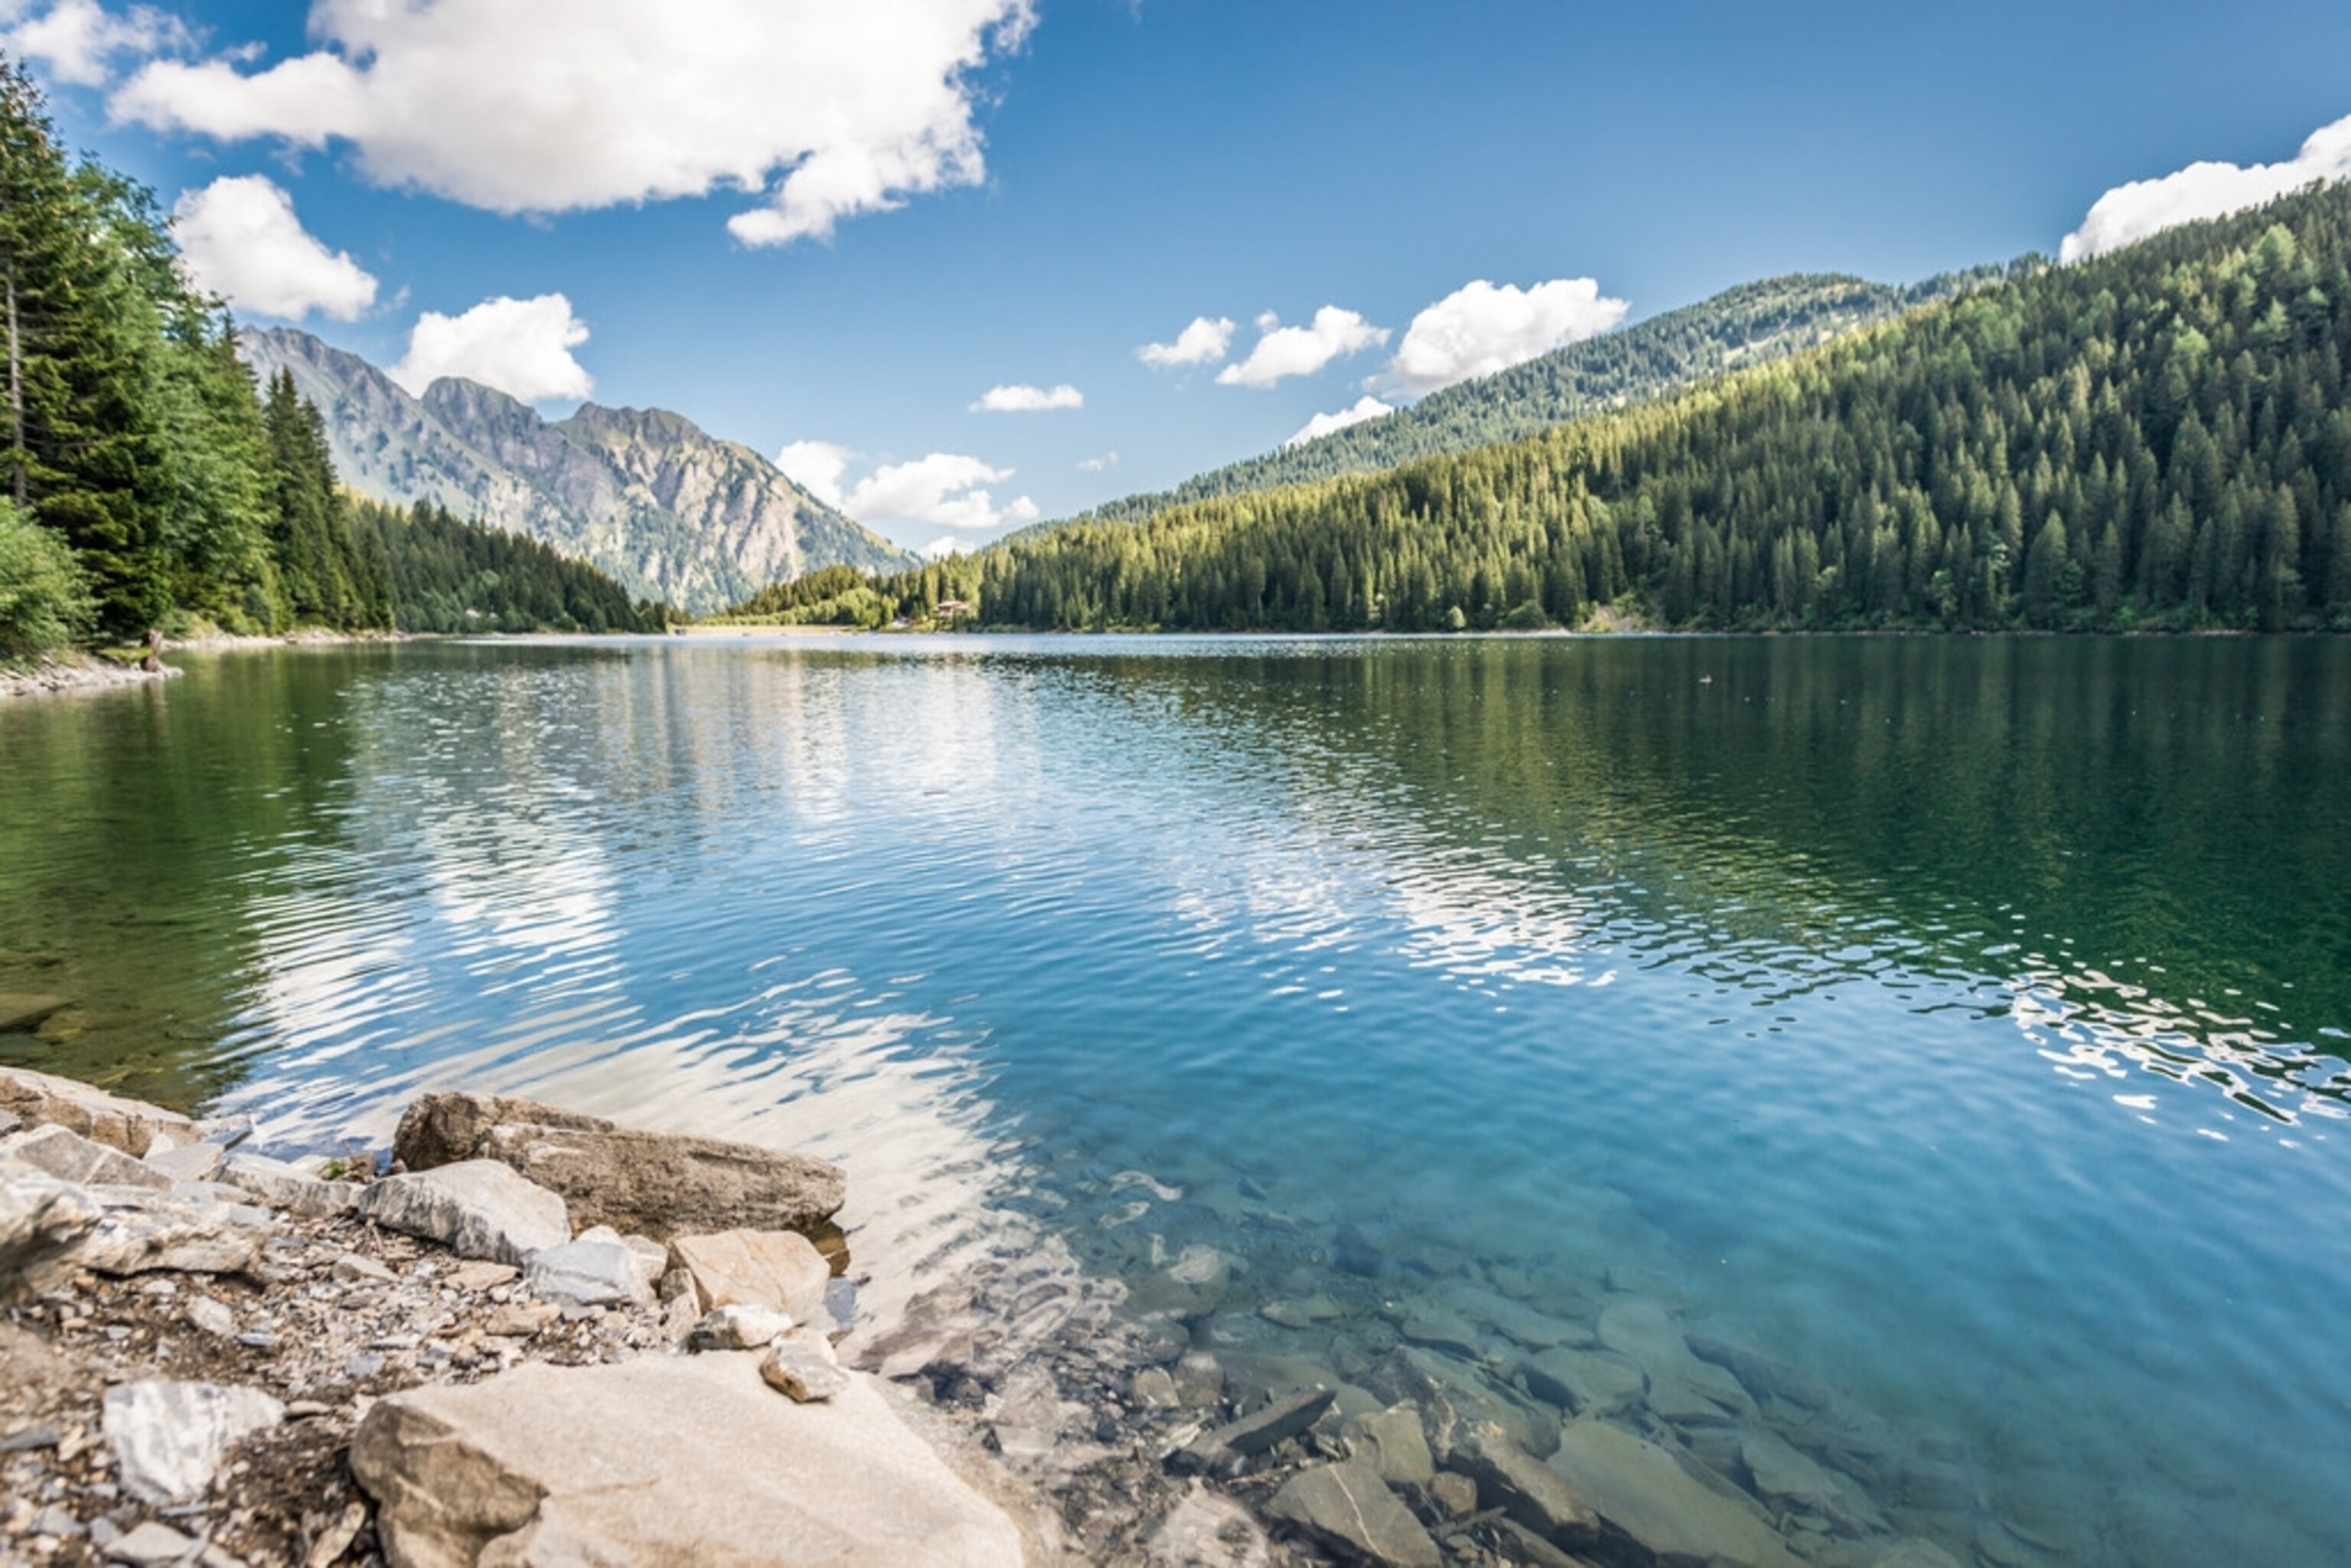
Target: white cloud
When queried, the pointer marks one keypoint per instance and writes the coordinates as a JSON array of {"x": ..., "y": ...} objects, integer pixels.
[
  {"x": 2128, "y": 214},
  {"x": 241, "y": 240},
  {"x": 818, "y": 467},
  {"x": 521, "y": 347},
  {"x": 1029, "y": 398},
  {"x": 1100, "y": 465},
  {"x": 944, "y": 546},
  {"x": 1325, "y": 423},
  {"x": 1286, "y": 351},
  {"x": 944, "y": 489},
  {"x": 1478, "y": 328},
  {"x": 78, "y": 40},
  {"x": 826, "y": 111},
  {"x": 1203, "y": 342}
]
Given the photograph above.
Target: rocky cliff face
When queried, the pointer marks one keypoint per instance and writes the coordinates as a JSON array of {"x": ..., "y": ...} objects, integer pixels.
[{"x": 665, "y": 508}]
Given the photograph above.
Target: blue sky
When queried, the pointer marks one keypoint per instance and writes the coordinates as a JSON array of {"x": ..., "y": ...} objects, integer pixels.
[{"x": 989, "y": 195}]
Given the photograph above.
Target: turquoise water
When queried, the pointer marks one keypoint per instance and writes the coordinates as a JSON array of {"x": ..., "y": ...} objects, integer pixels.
[{"x": 1962, "y": 1022}]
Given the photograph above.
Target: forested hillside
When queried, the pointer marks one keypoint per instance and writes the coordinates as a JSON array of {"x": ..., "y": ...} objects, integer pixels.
[
  {"x": 2155, "y": 438},
  {"x": 145, "y": 480},
  {"x": 1750, "y": 325},
  {"x": 448, "y": 575}
]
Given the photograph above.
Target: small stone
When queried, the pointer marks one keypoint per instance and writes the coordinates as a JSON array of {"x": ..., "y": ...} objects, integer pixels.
[
  {"x": 479, "y": 1276},
  {"x": 1455, "y": 1494},
  {"x": 739, "y": 1327},
  {"x": 337, "y": 1538},
  {"x": 258, "y": 1339},
  {"x": 1152, "y": 1389},
  {"x": 803, "y": 1371},
  {"x": 519, "y": 1321},
  {"x": 1225, "y": 1450},
  {"x": 29, "y": 1440},
  {"x": 1393, "y": 1442},
  {"x": 153, "y": 1542},
  {"x": 353, "y": 1270},
  {"x": 57, "y": 1520},
  {"x": 362, "y": 1366},
  {"x": 1199, "y": 1379}
]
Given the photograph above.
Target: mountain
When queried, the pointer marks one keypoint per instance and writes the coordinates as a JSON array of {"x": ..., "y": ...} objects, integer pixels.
[
  {"x": 1749, "y": 324},
  {"x": 2157, "y": 438},
  {"x": 647, "y": 497}
]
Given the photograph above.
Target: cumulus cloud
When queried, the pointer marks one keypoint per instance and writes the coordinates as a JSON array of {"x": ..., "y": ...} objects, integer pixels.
[
  {"x": 944, "y": 489},
  {"x": 241, "y": 240},
  {"x": 945, "y": 545},
  {"x": 521, "y": 347},
  {"x": 1325, "y": 423},
  {"x": 818, "y": 467},
  {"x": 2128, "y": 214},
  {"x": 78, "y": 40},
  {"x": 1203, "y": 342},
  {"x": 1285, "y": 351},
  {"x": 1480, "y": 329},
  {"x": 825, "y": 110},
  {"x": 1027, "y": 399},
  {"x": 1100, "y": 465}
]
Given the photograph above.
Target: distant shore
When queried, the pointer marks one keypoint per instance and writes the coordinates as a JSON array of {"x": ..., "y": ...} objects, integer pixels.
[{"x": 52, "y": 674}]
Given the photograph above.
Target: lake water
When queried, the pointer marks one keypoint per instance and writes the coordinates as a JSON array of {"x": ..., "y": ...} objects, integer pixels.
[{"x": 1961, "y": 1023}]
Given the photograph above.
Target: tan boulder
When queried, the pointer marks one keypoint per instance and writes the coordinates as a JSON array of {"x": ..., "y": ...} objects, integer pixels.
[
  {"x": 780, "y": 1269},
  {"x": 659, "y": 1185},
  {"x": 664, "y": 1462}
]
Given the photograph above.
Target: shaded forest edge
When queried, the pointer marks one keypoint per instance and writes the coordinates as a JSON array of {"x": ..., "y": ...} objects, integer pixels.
[
  {"x": 147, "y": 482},
  {"x": 2153, "y": 440}
]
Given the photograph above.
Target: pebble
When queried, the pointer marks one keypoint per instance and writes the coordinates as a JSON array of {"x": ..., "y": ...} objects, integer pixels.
[
  {"x": 212, "y": 1317},
  {"x": 351, "y": 1269},
  {"x": 151, "y": 1542}
]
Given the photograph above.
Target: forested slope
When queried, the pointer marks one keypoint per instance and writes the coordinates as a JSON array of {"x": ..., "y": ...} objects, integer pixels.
[
  {"x": 1751, "y": 324},
  {"x": 2157, "y": 438}
]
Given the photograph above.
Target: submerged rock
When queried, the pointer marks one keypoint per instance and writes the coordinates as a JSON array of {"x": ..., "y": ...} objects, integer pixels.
[
  {"x": 1350, "y": 1506},
  {"x": 478, "y": 1208},
  {"x": 668, "y": 1463},
  {"x": 1523, "y": 1487},
  {"x": 1206, "y": 1530},
  {"x": 1227, "y": 1449},
  {"x": 1584, "y": 1382},
  {"x": 37, "y": 1099},
  {"x": 660, "y": 1184},
  {"x": 1393, "y": 1443},
  {"x": 1643, "y": 1491},
  {"x": 1681, "y": 1386},
  {"x": 168, "y": 1438}
]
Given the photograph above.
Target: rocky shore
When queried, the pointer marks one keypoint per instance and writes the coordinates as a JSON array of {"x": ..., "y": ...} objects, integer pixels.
[
  {"x": 526, "y": 1335},
  {"x": 58, "y": 673}
]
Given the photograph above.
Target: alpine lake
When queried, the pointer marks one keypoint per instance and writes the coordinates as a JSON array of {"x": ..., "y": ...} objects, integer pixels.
[{"x": 1926, "y": 1055}]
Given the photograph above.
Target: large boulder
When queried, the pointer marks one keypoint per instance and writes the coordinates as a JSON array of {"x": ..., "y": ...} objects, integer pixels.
[
  {"x": 660, "y": 1185},
  {"x": 477, "y": 1208},
  {"x": 131, "y": 1125},
  {"x": 663, "y": 1461},
  {"x": 1645, "y": 1491}
]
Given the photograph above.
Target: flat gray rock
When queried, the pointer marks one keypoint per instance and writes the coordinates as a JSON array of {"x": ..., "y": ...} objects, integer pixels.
[
  {"x": 152, "y": 1545},
  {"x": 1349, "y": 1505},
  {"x": 1393, "y": 1442},
  {"x": 41, "y": 1219},
  {"x": 588, "y": 1274},
  {"x": 803, "y": 1369},
  {"x": 1643, "y": 1491},
  {"x": 664, "y": 1462},
  {"x": 68, "y": 1157},
  {"x": 140, "y": 1232},
  {"x": 189, "y": 1162},
  {"x": 1584, "y": 1382},
  {"x": 37, "y": 1099},
  {"x": 289, "y": 1187},
  {"x": 660, "y": 1185},
  {"x": 169, "y": 1437},
  {"x": 1510, "y": 1478},
  {"x": 477, "y": 1208}
]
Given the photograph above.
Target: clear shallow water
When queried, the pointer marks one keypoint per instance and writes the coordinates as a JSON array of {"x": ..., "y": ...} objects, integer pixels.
[{"x": 1962, "y": 1022}]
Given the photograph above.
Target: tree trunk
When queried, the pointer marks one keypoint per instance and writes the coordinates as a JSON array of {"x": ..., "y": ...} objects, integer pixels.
[{"x": 15, "y": 396}]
